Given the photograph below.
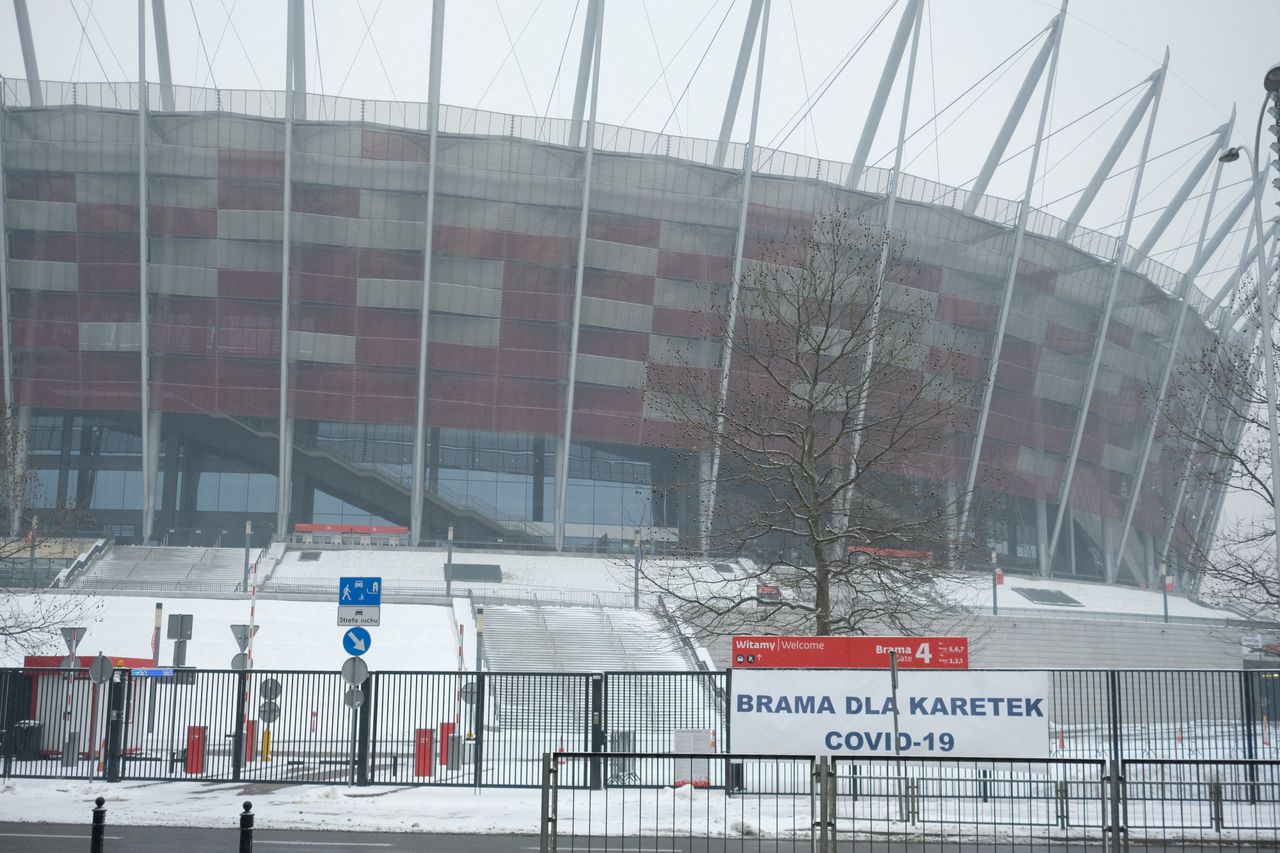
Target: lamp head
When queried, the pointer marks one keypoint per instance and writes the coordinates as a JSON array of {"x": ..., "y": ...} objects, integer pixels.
[
  {"x": 1271, "y": 82},
  {"x": 1231, "y": 155}
]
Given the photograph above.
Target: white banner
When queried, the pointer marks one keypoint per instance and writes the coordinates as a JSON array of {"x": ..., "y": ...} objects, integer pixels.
[{"x": 851, "y": 712}]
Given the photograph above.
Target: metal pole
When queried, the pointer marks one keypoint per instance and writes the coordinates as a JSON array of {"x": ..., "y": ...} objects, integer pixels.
[
  {"x": 284, "y": 465},
  {"x": 589, "y": 27},
  {"x": 635, "y": 595},
  {"x": 1112, "y": 155},
  {"x": 162, "y": 55},
  {"x": 1016, "y": 111},
  {"x": 1267, "y": 322},
  {"x": 420, "y": 425},
  {"x": 882, "y": 264},
  {"x": 298, "y": 74},
  {"x": 562, "y": 462},
  {"x": 1164, "y": 589},
  {"x": 248, "y": 532},
  {"x": 1163, "y": 388},
  {"x": 246, "y": 828},
  {"x": 910, "y": 18},
  {"x": 448, "y": 566},
  {"x": 144, "y": 314},
  {"x": 28, "y": 53},
  {"x": 995, "y": 585},
  {"x": 1118, "y": 266},
  {"x": 5, "y": 341},
  {"x": 1019, "y": 238},
  {"x": 726, "y": 359},
  {"x": 749, "y": 31},
  {"x": 893, "y": 688}
]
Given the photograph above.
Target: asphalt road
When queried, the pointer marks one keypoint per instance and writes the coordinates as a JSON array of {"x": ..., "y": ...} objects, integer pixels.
[{"x": 64, "y": 838}]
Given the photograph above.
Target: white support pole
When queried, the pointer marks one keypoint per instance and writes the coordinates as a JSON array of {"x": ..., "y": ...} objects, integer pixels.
[
  {"x": 144, "y": 307},
  {"x": 1016, "y": 111},
  {"x": 707, "y": 514},
  {"x": 1245, "y": 262},
  {"x": 35, "y": 93},
  {"x": 1238, "y": 310},
  {"x": 1267, "y": 321},
  {"x": 589, "y": 27},
  {"x": 1216, "y": 145},
  {"x": 162, "y": 55},
  {"x": 882, "y": 265},
  {"x": 298, "y": 75},
  {"x": 284, "y": 464},
  {"x": 1019, "y": 238},
  {"x": 1113, "y": 154},
  {"x": 566, "y": 443},
  {"x": 6, "y": 342},
  {"x": 1216, "y": 239},
  {"x": 739, "y": 76},
  {"x": 420, "y": 424},
  {"x": 863, "y": 151},
  {"x": 1100, "y": 345},
  {"x": 1162, "y": 392}
]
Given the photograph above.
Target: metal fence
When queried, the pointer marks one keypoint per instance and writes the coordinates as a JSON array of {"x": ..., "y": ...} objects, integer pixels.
[
  {"x": 820, "y": 805},
  {"x": 491, "y": 728}
]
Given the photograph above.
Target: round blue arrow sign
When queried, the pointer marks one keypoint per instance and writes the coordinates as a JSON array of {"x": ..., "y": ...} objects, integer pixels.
[{"x": 356, "y": 641}]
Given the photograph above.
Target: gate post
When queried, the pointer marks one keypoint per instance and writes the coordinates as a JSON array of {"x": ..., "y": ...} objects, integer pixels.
[
  {"x": 1249, "y": 734},
  {"x": 366, "y": 716},
  {"x": 477, "y": 754},
  {"x": 117, "y": 690},
  {"x": 550, "y": 805},
  {"x": 1115, "y": 729},
  {"x": 1119, "y": 842},
  {"x": 237, "y": 740},
  {"x": 597, "y": 731}
]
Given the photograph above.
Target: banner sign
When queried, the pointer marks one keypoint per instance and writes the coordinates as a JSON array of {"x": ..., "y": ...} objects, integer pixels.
[
  {"x": 850, "y": 652},
  {"x": 965, "y": 714}
]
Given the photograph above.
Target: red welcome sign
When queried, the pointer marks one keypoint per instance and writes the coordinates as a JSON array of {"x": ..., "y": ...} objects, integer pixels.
[{"x": 850, "y": 652}]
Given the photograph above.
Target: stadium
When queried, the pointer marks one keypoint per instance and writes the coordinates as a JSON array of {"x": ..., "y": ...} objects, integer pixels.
[{"x": 283, "y": 293}]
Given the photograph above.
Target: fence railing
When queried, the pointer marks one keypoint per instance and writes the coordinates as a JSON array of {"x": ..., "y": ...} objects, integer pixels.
[
  {"x": 491, "y": 728},
  {"x": 823, "y": 805}
]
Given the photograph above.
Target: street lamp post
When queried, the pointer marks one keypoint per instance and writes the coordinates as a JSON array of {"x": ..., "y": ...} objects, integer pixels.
[{"x": 1272, "y": 85}]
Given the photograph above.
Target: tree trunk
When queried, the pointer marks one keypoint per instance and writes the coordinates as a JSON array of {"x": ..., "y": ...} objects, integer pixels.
[{"x": 822, "y": 591}]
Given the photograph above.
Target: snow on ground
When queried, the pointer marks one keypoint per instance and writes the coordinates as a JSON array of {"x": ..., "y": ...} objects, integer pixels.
[
  {"x": 419, "y": 567},
  {"x": 615, "y": 813},
  {"x": 292, "y": 634},
  {"x": 614, "y": 575},
  {"x": 1096, "y": 598},
  {"x": 376, "y": 809}
]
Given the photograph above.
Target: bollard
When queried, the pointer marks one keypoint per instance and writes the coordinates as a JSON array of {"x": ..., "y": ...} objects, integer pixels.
[
  {"x": 246, "y": 828},
  {"x": 99, "y": 826}
]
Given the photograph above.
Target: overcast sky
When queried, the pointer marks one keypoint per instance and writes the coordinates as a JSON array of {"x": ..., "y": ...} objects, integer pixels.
[{"x": 666, "y": 65}]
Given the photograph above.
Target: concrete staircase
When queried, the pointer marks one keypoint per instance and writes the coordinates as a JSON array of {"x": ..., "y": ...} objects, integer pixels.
[{"x": 144, "y": 568}]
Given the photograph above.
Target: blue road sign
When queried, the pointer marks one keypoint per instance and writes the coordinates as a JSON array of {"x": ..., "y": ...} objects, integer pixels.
[
  {"x": 356, "y": 591},
  {"x": 356, "y": 641}
]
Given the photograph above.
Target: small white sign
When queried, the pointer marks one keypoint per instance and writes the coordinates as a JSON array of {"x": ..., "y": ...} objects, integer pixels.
[
  {"x": 366, "y": 616},
  {"x": 972, "y": 714},
  {"x": 692, "y": 771}
]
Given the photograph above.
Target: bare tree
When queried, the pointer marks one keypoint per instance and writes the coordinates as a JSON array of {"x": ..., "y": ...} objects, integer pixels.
[
  {"x": 834, "y": 439},
  {"x": 30, "y": 618},
  {"x": 1218, "y": 419}
]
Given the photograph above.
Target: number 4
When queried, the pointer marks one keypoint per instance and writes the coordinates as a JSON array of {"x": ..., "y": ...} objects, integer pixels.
[{"x": 924, "y": 653}]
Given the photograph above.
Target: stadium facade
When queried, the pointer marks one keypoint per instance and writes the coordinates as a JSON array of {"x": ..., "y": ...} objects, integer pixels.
[{"x": 562, "y": 276}]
